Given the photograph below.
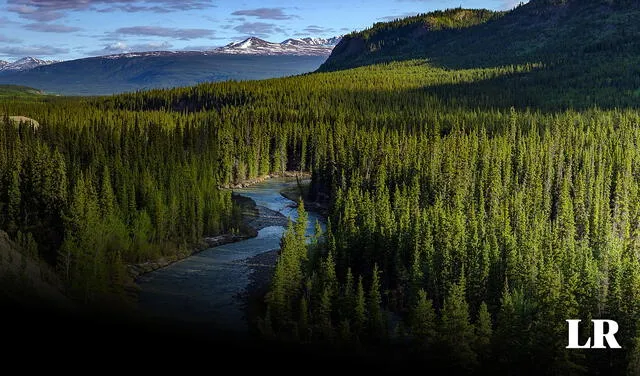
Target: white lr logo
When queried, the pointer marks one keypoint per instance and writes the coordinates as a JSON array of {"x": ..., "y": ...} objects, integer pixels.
[{"x": 599, "y": 335}]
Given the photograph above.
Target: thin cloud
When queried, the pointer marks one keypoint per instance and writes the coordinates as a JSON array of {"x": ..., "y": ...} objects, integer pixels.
[
  {"x": 315, "y": 29},
  {"x": 34, "y": 14},
  {"x": 5, "y": 39},
  {"x": 504, "y": 4},
  {"x": 122, "y": 47},
  {"x": 399, "y": 16},
  {"x": 265, "y": 13},
  {"x": 167, "y": 32},
  {"x": 4, "y": 21},
  {"x": 51, "y": 28},
  {"x": 48, "y": 10},
  {"x": 169, "y": 8},
  {"x": 113, "y": 48},
  {"x": 258, "y": 28},
  {"x": 40, "y": 51}
]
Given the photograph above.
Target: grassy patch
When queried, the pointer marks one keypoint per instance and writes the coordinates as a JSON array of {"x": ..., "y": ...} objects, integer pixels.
[{"x": 16, "y": 91}]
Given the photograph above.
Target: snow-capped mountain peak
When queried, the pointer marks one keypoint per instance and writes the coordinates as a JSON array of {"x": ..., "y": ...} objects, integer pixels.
[
  {"x": 247, "y": 43},
  {"x": 312, "y": 41},
  {"x": 24, "y": 64},
  {"x": 316, "y": 41},
  {"x": 292, "y": 46},
  {"x": 294, "y": 42}
]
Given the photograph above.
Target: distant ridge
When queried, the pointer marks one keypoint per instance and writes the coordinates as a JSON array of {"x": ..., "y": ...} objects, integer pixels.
[
  {"x": 251, "y": 46},
  {"x": 24, "y": 64},
  {"x": 300, "y": 47},
  {"x": 160, "y": 69}
]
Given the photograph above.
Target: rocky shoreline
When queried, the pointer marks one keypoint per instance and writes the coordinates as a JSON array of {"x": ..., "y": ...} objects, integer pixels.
[{"x": 250, "y": 182}]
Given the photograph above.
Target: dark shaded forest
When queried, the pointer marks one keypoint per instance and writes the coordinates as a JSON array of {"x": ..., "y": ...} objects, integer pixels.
[{"x": 472, "y": 210}]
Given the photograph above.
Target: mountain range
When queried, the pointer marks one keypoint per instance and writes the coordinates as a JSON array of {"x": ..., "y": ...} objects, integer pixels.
[
  {"x": 252, "y": 58},
  {"x": 142, "y": 71},
  {"x": 249, "y": 46},
  {"x": 302, "y": 47},
  {"x": 24, "y": 64}
]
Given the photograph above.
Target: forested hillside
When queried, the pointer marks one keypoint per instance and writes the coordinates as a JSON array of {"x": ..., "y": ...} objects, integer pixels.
[
  {"x": 549, "y": 31},
  {"x": 473, "y": 209}
]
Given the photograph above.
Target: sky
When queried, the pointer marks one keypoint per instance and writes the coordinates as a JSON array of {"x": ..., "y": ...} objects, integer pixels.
[{"x": 72, "y": 29}]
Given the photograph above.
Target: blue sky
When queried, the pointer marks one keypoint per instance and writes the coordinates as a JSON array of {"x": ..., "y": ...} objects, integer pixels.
[{"x": 69, "y": 29}]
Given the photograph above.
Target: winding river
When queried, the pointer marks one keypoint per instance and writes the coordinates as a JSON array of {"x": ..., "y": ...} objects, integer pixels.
[{"x": 206, "y": 288}]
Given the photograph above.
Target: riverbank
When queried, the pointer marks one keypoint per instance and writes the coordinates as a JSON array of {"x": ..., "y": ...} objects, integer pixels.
[
  {"x": 263, "y": 265},
  {"x": 249, "y": 182},
  {"x": 254, "y": 218},
  {"x": 262, "y": 269},
  {"x": 137, "y": 270},
  {"x": 209, "y": 289}
]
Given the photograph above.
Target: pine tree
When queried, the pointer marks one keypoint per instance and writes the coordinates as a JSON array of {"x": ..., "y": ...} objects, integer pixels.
[
  {"x": 300, "y": 229},
  {"x": 287, "y": 278},
  {"x": 483, "y": 331},
  {"x": 457, "y": 332},
  {"x": 329, "y": 277},
  {"x": 360, "y": 310},
  {"x": 347, "y": 297},
  {"x": 344, "y": 332},
  {"x": 423, "y": 320},
  {"x": 376, "y": 321},
  {"x": 324, "y": 314},
  {"x": 633, "y": 367},
  {"x": 13, "y": 202},
  {"x": 107, "y": 197},
  {"x": 302, "y": 221},
  {"x": 303, "y": 319}
]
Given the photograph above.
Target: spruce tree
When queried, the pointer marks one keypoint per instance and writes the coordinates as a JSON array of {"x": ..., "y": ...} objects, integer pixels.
[
  {"x": 633, "y": 367},
  {"x": 483, "y": 332},
  {"x": 456, "y": 331},
  {"x": 423, "y": 320},
  {"x": 360, "y": 309},
  {"x": 374, "y": 305}
]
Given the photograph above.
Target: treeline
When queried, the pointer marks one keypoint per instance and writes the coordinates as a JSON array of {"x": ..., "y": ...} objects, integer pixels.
[
  {"x": 477, "y": 245},
  {"x": 100, "y": 189},
  {"x": 455, "y": 18},
  {"x": 576, "y": 36},
  {"x": 477, "y": 232},
  {"x": 466, "y": 226}
]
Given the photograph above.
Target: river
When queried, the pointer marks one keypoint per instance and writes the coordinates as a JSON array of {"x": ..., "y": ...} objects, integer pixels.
[{"x": 207, "y": 288}]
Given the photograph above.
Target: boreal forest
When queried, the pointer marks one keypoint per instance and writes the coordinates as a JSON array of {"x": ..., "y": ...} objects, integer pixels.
[{"x": 481, "y": 172}]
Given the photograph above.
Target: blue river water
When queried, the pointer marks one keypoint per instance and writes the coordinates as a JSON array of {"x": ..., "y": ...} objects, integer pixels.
[{"x": 206, "y": 287}]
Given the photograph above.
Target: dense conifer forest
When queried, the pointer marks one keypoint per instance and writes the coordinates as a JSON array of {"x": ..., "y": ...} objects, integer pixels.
[{"x": 472, "y": 210}]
